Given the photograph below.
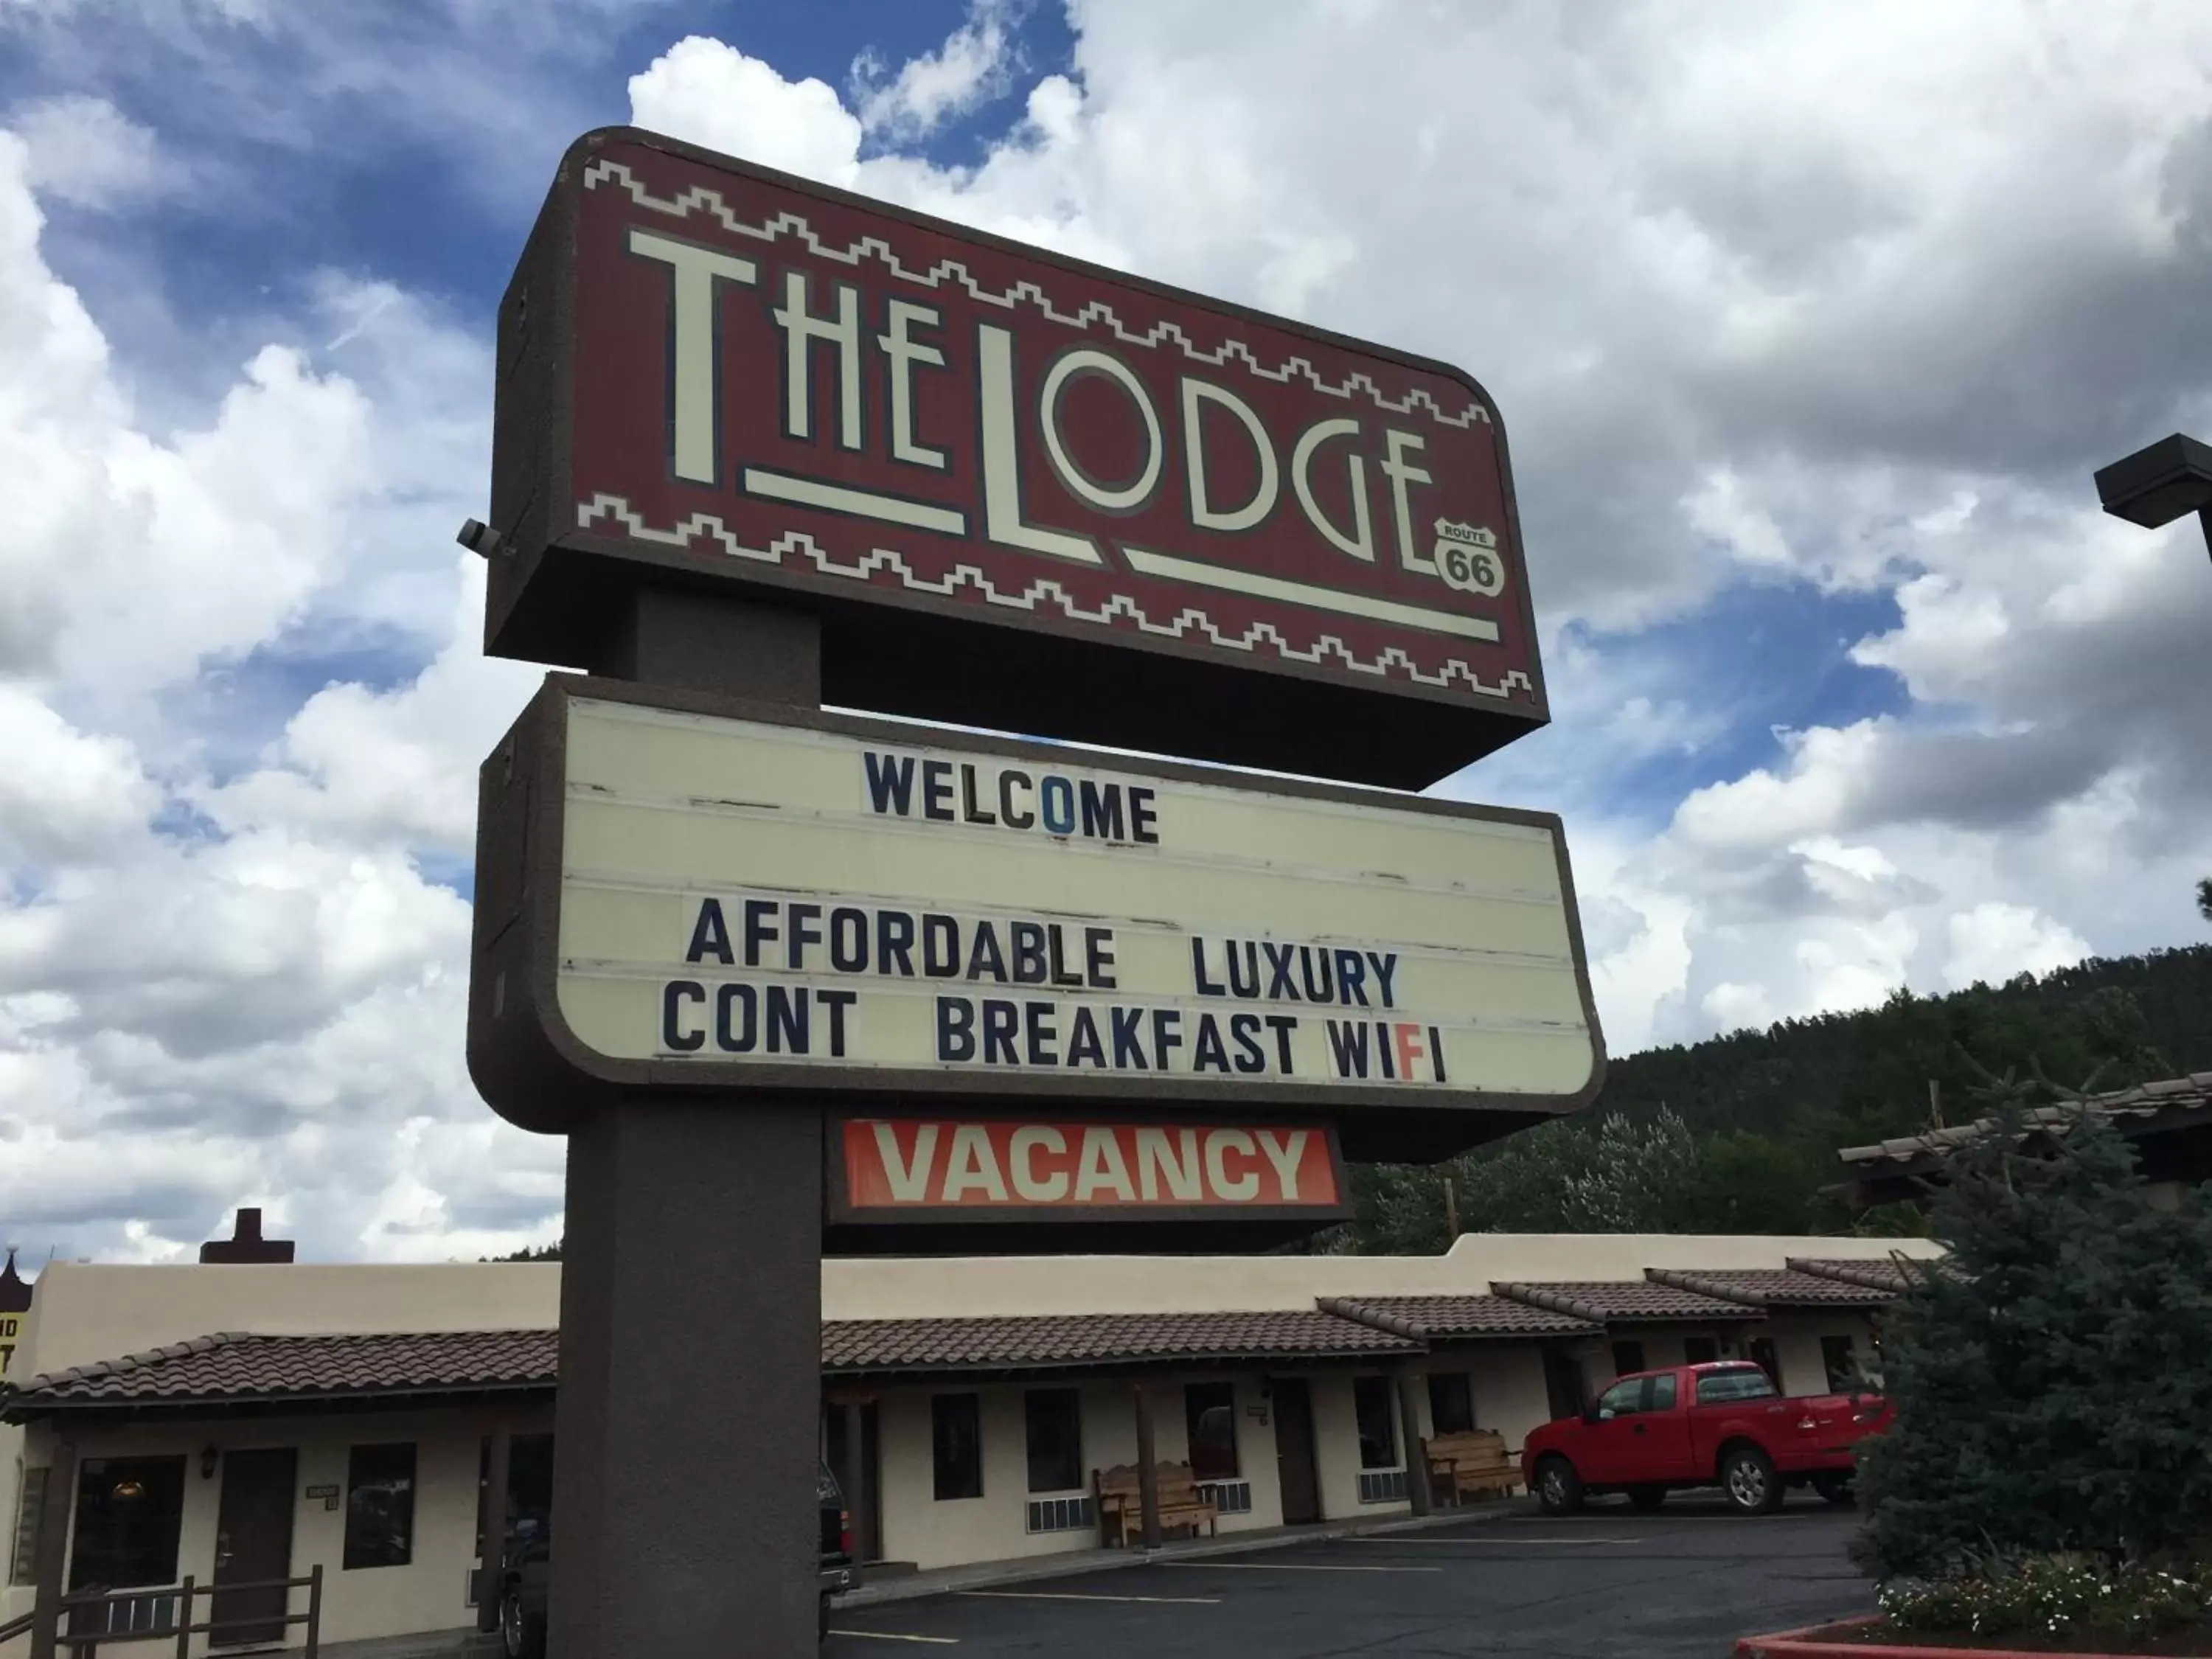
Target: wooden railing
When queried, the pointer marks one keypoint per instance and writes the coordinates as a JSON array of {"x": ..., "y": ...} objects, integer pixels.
[{"x": 86, "y": 1645}]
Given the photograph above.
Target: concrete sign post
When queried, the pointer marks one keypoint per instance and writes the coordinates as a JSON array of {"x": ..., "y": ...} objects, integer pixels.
[{"x": 783, "y": 975}]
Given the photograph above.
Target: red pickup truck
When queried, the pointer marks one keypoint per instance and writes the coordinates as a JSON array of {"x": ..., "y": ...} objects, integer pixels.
[{"x": 1699, "y": 1425}]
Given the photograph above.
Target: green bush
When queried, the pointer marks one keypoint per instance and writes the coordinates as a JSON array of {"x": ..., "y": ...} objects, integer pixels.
[{"x": 2054, "y": 1595}]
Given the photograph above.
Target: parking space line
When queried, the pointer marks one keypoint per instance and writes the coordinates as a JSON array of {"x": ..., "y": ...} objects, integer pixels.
[
  {"x": 1081, "y": 1595},
  {"x": 1290, "y": 1567},
  {"x": 1506, "y": 1541},
  {"x": 897, "y": 1635}
]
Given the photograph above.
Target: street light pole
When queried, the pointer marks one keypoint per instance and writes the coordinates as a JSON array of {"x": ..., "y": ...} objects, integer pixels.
[{"x": 2157, "y": 485}]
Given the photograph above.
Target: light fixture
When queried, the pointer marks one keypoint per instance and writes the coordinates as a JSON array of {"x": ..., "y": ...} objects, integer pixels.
[
  {"x": 207, "y": 1463},
  {"x": 126, "y": 1489}
]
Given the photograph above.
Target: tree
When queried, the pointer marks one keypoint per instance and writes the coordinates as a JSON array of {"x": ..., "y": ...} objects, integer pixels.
[
  {"x": 539, "y": 1253},
  {"x": 2204, "y": 899},
  {"x": 2052, "y": 1381}
]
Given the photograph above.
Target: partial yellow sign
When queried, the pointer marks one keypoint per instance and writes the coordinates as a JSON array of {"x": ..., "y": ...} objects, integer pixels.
[{"x": 740, "y": 892}]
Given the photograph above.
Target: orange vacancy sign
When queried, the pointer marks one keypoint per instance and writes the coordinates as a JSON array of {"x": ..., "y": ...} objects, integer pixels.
[{"x": 924, "y": 1164}]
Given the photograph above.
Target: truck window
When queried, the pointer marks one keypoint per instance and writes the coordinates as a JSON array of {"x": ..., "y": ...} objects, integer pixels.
[
  {"x": 1661, "y": 1396},
  {"x": 1738, "y": 1383},
  {"x": 1622, "y": 1399}
]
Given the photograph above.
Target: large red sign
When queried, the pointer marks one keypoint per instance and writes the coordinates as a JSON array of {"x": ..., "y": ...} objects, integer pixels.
[
  {"x": 896, "y": 1167},
  {"x": 714, "y": 375}
]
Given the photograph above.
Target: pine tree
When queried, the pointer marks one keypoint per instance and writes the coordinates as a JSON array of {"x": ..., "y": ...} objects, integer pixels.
[{"x": 2053, "y": 1384}]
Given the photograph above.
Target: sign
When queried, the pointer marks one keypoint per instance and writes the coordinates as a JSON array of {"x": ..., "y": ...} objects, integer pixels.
[
  {"x": 905, "y": 1165},
  {"x": 727, "y": 897},
  {"x": 328, "y": 1494},
  {"x": 1018, "y": 490}
]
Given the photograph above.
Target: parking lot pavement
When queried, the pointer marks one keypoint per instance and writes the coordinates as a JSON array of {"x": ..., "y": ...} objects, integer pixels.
[{"x": 1605, "y": 1584}]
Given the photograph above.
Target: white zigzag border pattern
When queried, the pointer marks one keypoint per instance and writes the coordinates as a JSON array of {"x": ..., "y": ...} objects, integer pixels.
[
  {"x": 1043, "y": 590},
  {"x": 681, "y": 205}
]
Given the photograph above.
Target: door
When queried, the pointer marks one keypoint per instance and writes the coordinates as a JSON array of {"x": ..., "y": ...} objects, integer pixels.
[
  {"x": 1606, "y": 1450},
  {"x": 1660, "y": 1441},
  {"x": 254, "y": 1545},
  {"x": 1294, "y": 1450}
]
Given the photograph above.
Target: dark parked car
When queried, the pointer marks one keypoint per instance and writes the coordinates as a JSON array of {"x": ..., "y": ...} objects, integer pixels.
[{"x": 525, "y": 1576}]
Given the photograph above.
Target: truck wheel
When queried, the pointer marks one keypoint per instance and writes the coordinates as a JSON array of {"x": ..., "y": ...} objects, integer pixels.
[
  {"x": 1748, "y": 1475},
  {"x": 1558, "y": 1488},
  {"x": 1646, "y": 1498},
  {"x": 1836, "y": 1488}
]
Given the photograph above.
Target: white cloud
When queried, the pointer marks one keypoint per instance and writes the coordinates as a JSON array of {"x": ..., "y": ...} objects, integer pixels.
[
  {"x": 713, "y": 95},
  {"x": 1994, "y": 941},
  {"x": 84, "y": 149},
  {"x": 972, "y": 65}
]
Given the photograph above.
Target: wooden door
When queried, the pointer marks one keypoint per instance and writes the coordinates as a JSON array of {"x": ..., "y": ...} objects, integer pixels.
[
  {"x": 254, "y": 1545},
  {"x": 1294, "y": 1450}
]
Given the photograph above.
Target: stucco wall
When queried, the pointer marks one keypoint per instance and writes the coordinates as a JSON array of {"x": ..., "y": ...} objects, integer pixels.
[{"x": 428, "y": 1593}]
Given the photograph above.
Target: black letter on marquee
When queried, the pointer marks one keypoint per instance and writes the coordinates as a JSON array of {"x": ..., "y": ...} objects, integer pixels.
[
  {"x": 1207, "y": 987},
  {"x": 895, "y": 943},
  {"x": 1245, "y": 1028},
  {"x": 1167, "y": 1033},
  {"x": 1347, "y": 1043},
  {"x": 1101, "y": 810},
  {"x": 837, "y": 1002},
  {"x": 1207, "y": 1052},
  {"x": 805, "y": 930},
  {"x": 1436, "y": 1051},
  {"x": 891, "y": 782},
  {"x": 1129, "y": 1046},
  {"x": 786, "y": 1019},
  {"x": 676, "y": 992},
  {"x": 740, "y": 1039},
  {"x": 1083, "y": 1042},
  {"x": 936, "y": 786},
  {"x": 1282, "y": 1025},
  {"x": 758, "y": 930},
  {"x": 1143, "y": 819},
  {"x": 955, "y": 1028},
  {"x": 986, "y": 945},
  {"x": 849, "y": 940},
  {"x": 940, "y": 946},
  {"x": 1098, "y": 957},
  {"x": 1279, "y": 989},
  {"x": 1041, "y": 1034},
  {"x": 1001, "y": 1019},
  {"x": 1057, "y": 955},
  {"x": 709, "y": 935},
  {"x": 1351, "y": 978},
  {"x": 1013, "y": 820},
  {"x": 1386, "y": 966},
  {"x": 972, "y": 810},
  {"x": 1307, "y": 956},
  {"x": 1027, "y": 940}
]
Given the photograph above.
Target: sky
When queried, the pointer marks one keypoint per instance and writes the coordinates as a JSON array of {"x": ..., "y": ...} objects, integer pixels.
[{"x": 1808, "y": 323}]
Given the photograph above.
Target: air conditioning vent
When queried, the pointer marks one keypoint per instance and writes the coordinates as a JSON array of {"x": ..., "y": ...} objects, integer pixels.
[
  {"x": 1229, "y": 1497},
  {"x": 1382, "y": 1487}
]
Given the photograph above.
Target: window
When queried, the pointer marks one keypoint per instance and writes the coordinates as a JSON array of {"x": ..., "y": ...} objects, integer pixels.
[
  {"x": 528, "y": 1482},
  {"x": 1842, "y": 1365},
  {"x": 1055, "y": 1439},
  {"x": 1763, "y": 1355},
  {"x": 379, "y": 1523},
  {"x": 1209, "y": 1411},
  {"x": 1627, "y": 1357},
  {"x": 130, "y": 1512},
  {"x": 1699, "y": 1350},
  {"x": 1451, "y": 1402},
  {"x": 1622, "y": 1399},
  {"x": 1370, "y": 1409},
  {"x": 955, "y": 1447},
  {"x": 1659, "y": 1392},
  {"x": 1737, "y": 1382}
]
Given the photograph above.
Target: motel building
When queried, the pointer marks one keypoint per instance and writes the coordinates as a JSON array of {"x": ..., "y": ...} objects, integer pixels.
[{"x": 249, "y": 1418}]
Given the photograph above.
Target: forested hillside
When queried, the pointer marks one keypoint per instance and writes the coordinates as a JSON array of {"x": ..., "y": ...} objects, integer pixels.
[{"x": 1739, "y": 1134}]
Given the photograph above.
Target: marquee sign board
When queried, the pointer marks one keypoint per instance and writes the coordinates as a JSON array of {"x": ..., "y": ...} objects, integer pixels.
[
  {"x": 724, "y": 896},
  {"x": 1019, "y": 491}
]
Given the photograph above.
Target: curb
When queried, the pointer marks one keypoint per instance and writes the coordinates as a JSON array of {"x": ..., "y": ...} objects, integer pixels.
[
  {"x": 918, "y": 1587},
  {"x": 1833, "y": 1641}
]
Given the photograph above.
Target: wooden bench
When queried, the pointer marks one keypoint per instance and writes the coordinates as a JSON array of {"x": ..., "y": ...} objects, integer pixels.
[
  {"x": 1121, "y": 1503},
  {"x": 1471, "y": 1461}
]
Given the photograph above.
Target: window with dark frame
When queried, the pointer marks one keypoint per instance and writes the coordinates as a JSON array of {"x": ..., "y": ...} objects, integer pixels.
[
  {"x": 30, "y": 1501},
  {"x": 1659, "y": 1392},
  {"x": 1451, "y": 1402},
  {"x": 379, "y": 1515},
  {"x": 1209, "y": 1411},
  {"x": 1763, "y": 1355},
  {"x": 1371, "y": 1410},
  {"x": 130, "y": 1518},
  {"x": 955, "y": 1447},
  {"x": 1054, "y": 1420},
  {"x": 1627, "y": 1357},
  {"x": 1841, "y": 1361},
  {"x": 1700, "y": 1350}
]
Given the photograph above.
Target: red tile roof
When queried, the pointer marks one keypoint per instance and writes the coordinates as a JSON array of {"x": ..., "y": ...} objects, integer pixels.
[
  {"x": 232, "y": 1367},
  {"x": 1447, "y": 1318},
  {"x": 1627, "y": 1302},
  {"x": 2178, "y": 1100},
  {"x": 1879, "y": 1273},
  {"x": 1056, "y": 1339},
  {"x": 1771, "y": 1287}
]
